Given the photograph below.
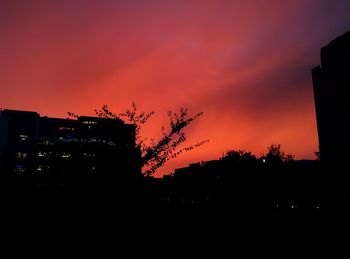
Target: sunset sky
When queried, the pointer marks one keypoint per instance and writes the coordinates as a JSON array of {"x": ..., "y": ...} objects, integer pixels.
[{"x": 245, "y": 63}]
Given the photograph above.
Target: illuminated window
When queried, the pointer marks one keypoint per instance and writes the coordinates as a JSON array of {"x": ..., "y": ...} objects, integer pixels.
[
  {"x": 89, "y": 155},
  {"x": 111, "y": 143},
  {"x": 20, "y": 155},
  {"x": 89, "y": 122},
  {"x": 45, "y": 141},
  {"x": 66, "y": 129},
  {"x": 66, "y": 155},
  {"x": 93, "y": 140},
  {"x": 42, "y": 168},
  {"x": 23, "y": 137},
  {"x": 293, "y": 206},
  {"x": 316, "y": 205},
  {"x": 19, "y": 168},
  {"x": 68, "y": 138},
  {"x": 92, "y": 168},
  {"x": 44, "y": 154}
]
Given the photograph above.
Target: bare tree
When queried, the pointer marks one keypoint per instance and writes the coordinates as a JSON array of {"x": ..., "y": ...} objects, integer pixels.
[{"x": 156, "y": 153}]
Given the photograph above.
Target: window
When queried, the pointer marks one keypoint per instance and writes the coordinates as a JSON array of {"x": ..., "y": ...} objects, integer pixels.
[
  {"x": 44, "y": 154},
  {"x": 66, "y": 155},
  {"x": 24, "y": 137},
  {"x": 19, "y": 168},
  {"x": 89, "y": 155},
  {"x": 45, "y": 141},
  {"x": 66, "y": 129},
  {"x": 68, "y": 138},
  {"x": 92, "y": 168},
  {"x": 110, "y": 142},
  {"x": 93, "y": 140},
  {"x": 42, "y": 168},
  {"x": 21, "y": 155},
  {"x": 89, "y": 122}
]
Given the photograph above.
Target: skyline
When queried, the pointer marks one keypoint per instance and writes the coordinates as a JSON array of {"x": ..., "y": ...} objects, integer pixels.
[{"x": 247, "y": 66}]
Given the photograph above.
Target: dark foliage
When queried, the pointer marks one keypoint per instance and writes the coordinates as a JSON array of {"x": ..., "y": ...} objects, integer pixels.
[
  {"x": 239, "y": 156},
  {"x": 276, "y": 155}
]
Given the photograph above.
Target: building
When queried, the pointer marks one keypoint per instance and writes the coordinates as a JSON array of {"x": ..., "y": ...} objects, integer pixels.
[
  {"x": 331, "y": 83},
  {"x": 35, "y": 146}
]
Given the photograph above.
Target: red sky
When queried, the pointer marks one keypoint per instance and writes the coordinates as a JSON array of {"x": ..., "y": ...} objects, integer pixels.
[{"x": 245, "y": 64}]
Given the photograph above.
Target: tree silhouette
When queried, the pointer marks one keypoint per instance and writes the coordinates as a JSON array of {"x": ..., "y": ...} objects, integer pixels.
[
  {"x": 276, "y": 155},
  {"x": 156, "y": 153},
  {"x": 238, "y": 156}
]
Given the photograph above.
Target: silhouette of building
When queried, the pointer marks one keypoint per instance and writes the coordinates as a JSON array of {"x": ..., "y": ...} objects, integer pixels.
[
  {"x": 31, "y": 145},
  {"x": 331, "y": 82}
]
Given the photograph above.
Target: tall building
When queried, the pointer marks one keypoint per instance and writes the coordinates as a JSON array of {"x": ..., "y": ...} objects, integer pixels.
[
  {"x": 31, "y": 145},
  {"x": 331, "y": 82}
]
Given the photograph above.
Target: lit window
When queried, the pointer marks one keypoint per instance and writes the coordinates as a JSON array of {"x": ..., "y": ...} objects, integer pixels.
[
  {"x": 66, "y": 129},
  {"x": 19, "y": 168},
  {"x": 45, "y": 141},
  {"x": 93, "y": 140},
  {"x": 23, "y": 137},
  {"x": 89, "y": 122},
  {"x": 41, "y": 168},
  {"x": 264, "y": 160},
  {"x": 68, "y": 138},
  {"x": 92, "y": 168},
  {"x": 44, "y": 154},
  {"x": 66, "y": 155},
  {"x": 20, "y": 155},
  {"x": 293, "y": 206},
  {"x": 89, "y": 155},
  {"x": 111, "y": 143}
]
